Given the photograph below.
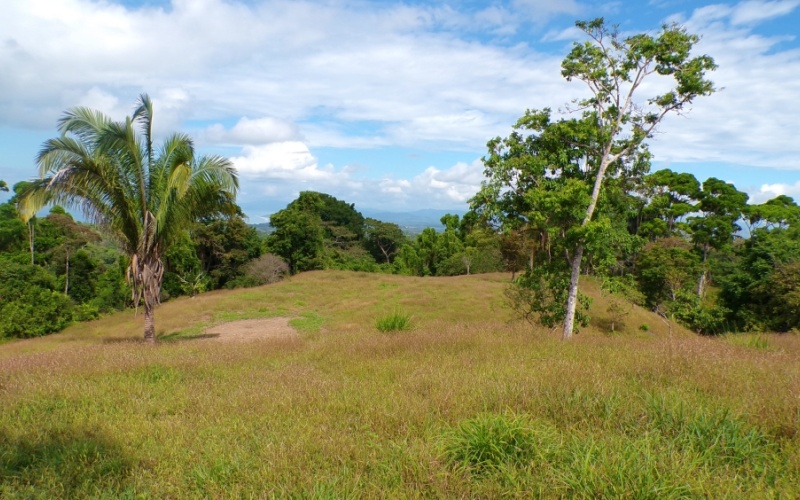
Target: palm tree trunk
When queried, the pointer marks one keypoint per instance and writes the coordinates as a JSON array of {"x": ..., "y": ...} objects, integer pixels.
[
  {"x": 146, "y": 275},
  {"x": 149, "y": 322}
]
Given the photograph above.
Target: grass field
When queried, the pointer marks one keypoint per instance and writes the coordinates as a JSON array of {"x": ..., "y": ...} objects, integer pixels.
[{"x": 460, "y": 402}]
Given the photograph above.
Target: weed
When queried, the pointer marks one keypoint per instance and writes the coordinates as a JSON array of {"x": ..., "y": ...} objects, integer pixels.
[
  {"x": 489, "y": 442},
  {"x": 754, "y": 341},
  {"x": 394, "y": 322}
]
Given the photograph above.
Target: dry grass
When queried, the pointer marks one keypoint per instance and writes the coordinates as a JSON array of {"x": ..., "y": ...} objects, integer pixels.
[{"x": 343, "y": 410}]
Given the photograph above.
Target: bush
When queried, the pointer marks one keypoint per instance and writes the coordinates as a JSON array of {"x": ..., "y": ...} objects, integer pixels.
[
  {"x": 395, "y": 322},
  {"x": 269, "y": 268},
  {"x": 85, "y": 312},
  {"x": 37, "y": 312}
]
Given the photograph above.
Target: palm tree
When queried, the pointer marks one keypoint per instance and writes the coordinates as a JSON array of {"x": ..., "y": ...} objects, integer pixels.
[{"x": 141, "y": 197}]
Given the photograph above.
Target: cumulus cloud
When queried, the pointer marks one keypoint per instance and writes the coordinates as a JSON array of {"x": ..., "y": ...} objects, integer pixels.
[
  {"x": 769, "y": 191},
  {"x": 448, "y": 187},
  {"x": 281, "y": 160},
  {"x": 277, "y": 78},
  {"x": 751, "y": 120},
  {"x": 256, "y": 131}
]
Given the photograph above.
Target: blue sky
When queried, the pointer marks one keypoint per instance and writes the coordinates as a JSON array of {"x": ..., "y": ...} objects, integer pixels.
[{"x": 387, "y": 105}]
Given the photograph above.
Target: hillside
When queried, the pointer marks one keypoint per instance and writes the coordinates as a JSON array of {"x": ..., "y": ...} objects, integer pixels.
[{"x": 465, "y": 403}]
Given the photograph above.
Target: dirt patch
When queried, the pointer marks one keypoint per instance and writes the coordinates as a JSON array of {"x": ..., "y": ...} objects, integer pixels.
[{"x": 252, "y": 329}]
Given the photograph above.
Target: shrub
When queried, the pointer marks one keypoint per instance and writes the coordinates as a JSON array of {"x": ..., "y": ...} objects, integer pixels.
[
  {"x": 394, "y": 322},
  {"x": 269, "y": 268},
  {"x": 37, "y": 312}
]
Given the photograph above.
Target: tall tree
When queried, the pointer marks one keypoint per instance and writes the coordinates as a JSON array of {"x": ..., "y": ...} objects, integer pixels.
[
  {"x": 383, "y": 239},
  {"x": 141, "y": 196},
  {"x": 614, "y": 68},
  {"x": 721, "y": 206},
  {"x": 670, "y": 197}
]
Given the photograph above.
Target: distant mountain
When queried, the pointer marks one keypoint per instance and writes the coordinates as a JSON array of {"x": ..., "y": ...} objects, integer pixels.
[
  {"x": 411, "y": 222},
  {"x": 263, "y": 227}
]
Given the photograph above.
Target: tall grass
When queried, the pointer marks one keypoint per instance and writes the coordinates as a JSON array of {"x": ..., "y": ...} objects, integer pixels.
[
  {"x": 466, "y": 404},
  {"x": 394, "y": 322}
]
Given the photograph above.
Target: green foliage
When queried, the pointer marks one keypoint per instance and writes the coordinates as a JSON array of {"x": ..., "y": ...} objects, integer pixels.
[
  {"x": 383, "y": 239},
  {"x": 540, "y": 296},
  {"x": 665, "y": 269},
  {"x": 34, "y": 312},
  {"x": 30, "y": 306},
  {"x": 782, "y": 295},
  {"x": 143, "y": 196},
  {"x": 112, "y": 291},
  {"x": 298, "y": 238},
  {"x": 13, "y": 233},
  {"x": 669, "y": 197},
  {"x": 223, "y": 245},
  {"x": 397, "y": 321},
  {"x": 762, "y": 288},
  {"x": 620, "y": 293},
  {"x": 702, "y": 316}
]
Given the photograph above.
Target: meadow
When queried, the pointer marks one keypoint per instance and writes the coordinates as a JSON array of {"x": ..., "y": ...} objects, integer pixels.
[{"x": 396, "y": 387}]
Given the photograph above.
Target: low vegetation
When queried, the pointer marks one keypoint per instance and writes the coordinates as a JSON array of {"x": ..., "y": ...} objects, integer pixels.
[
  {"x": 469, "y": 403},
  {"x": 394, "y": 322}
]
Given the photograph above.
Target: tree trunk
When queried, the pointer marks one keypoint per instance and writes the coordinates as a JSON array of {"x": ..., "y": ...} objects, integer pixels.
[
  {"x": 145, "y": 274},
  {"x": 572, "y": 299},
  {"x": 701, "y": 286},
  {"x": 66, "y": 276},
  {"x": 149, "y": 322},
  {"x": 30, "y": 238}
]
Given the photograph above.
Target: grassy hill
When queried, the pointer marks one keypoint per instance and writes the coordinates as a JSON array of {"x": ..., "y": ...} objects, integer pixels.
[{"x": 465, "y": 403}]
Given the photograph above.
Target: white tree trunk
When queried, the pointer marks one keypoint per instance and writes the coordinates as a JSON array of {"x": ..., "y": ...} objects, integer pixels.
[{"x": 572, "y": 299}]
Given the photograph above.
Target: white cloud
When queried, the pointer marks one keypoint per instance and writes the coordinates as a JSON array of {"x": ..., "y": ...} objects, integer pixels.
[
  {"x": 281, "y": 160},
  {"x": 753, "y": 11},
  {"x": 770, "y": 191},
  {"x": 751, "y": 120},
  {"x": 100, "y": 100},
  {"x": 252, "y": 132},
  {"x": 449, "y": 187},
  {"x": 284, "y": 77}
]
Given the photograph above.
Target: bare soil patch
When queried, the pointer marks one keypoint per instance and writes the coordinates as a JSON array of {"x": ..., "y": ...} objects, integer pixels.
[{"x": 253, "y": 329}]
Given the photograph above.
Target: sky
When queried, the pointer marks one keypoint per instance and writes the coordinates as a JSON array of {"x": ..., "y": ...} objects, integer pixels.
[{"x": 385, "y": 104}]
